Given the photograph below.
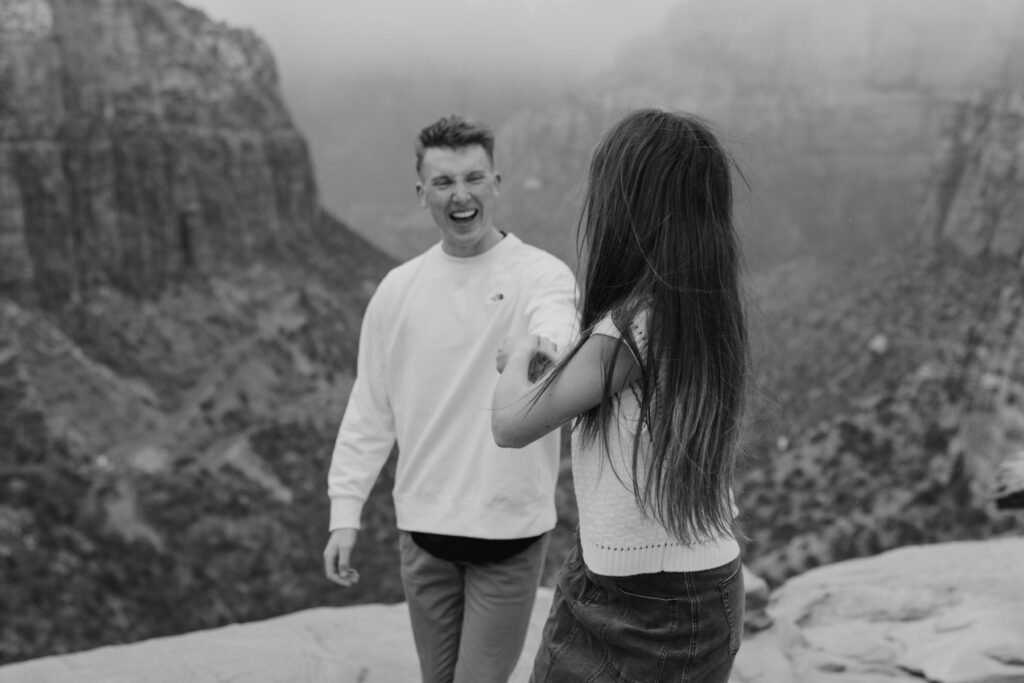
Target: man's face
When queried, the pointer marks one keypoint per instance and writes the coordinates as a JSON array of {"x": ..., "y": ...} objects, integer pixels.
[{"x": 459, "y": 186}]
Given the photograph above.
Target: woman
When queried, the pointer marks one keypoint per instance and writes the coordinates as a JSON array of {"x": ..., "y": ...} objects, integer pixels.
[{"x": 654, "y": 589}]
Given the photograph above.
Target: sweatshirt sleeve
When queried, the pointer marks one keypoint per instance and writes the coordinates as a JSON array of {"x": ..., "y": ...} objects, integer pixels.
[
  {"x": 367, "y": 431},
  {"x": 551, "y": 308}
]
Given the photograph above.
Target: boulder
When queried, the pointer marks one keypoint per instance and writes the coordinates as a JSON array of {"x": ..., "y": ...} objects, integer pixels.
[{"x": 1010, "y": 482}]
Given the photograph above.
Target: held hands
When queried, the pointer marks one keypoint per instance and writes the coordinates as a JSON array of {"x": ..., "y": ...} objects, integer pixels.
[
  {"x": 540, "y": 351},
  {"x": 336, "y": 557},
  {"x": 515, "y": 418}
]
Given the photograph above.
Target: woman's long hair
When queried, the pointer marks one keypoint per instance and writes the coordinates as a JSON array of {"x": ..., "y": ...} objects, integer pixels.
[{"x": 659, "y": 248}]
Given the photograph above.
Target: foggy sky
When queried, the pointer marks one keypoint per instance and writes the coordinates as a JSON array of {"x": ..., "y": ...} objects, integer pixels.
[{"x": 550, "y": 39}]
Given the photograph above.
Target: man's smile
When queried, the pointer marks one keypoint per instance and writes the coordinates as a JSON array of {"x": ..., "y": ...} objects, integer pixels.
[{"x": 463, "y": 216}]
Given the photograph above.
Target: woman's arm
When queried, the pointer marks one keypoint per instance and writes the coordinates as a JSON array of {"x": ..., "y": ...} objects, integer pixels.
[{"x": 518, "y": 420}]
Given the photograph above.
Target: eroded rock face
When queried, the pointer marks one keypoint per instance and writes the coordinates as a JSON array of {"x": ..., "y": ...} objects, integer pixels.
[
  {"x": 145, "y": 150},
  {"x": 82, "y": 403},
  {"x": 977, "y": 198},
  {"x": 139, "y": 140}
]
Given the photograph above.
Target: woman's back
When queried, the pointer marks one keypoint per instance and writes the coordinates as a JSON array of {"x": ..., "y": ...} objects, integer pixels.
[
  {"x": 658, "y": 238},
  {"x": 617, "y": 537}
]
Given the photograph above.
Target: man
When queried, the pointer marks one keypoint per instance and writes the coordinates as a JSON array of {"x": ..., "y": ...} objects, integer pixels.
[{"x": 472, "y": 517}]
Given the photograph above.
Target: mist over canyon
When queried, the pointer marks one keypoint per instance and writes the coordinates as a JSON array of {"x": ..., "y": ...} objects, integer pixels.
[{"x": 834, "y": 112}]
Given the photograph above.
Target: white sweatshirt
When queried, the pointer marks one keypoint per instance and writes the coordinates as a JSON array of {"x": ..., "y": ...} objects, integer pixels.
[{"x": 426, "y": 376}]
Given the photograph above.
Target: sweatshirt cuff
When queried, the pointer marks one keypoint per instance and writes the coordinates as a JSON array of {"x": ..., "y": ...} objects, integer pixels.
[{"x": 345, "y": 514}]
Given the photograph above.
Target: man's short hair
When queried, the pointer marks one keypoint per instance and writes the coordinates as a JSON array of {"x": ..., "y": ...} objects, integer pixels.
[{"x": 454, "y": 132}]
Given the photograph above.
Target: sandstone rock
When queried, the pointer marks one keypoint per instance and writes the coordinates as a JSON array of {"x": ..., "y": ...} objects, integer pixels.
[
  {"x": 138, "y": 141},
  {"x": 364, "y": 644},
  {"x": 359, "y": 644},
  {"x": 755, "y": 618},
  {"x": 1010, "y": 482},
  {"x": 977, "y": 198},
  {"x": 950, "y": 613},
  {"x": 879, "y": 344},
  {"x": 82, "y": 401}
]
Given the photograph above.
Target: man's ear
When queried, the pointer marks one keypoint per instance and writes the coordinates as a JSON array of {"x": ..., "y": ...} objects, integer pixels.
[
  {"x": 497, "y": 183},
  {"x": 421, "y": 195}
]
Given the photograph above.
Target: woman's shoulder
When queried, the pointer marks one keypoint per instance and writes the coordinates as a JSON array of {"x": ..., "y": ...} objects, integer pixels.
[{"x": 633, "y": 314}]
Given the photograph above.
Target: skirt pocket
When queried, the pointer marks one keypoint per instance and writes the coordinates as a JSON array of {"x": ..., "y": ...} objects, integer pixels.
[{"x": 733, "y": 602}]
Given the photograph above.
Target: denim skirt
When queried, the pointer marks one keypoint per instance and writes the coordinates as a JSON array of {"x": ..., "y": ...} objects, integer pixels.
[{"x": 648, "y": 628}]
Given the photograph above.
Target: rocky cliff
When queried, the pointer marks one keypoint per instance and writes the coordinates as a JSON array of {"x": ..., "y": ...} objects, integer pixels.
[
  {"x": 890, "y": 391},
  {"x": 976, "y": 200},
  {"x": 140, "y": 141},
  {"x": 178, "y": 326}
]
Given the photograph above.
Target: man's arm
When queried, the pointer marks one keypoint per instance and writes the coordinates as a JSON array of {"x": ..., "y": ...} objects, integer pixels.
[
  {"x": 551, "y": 307},
  {"x": 365, "y": 439}
]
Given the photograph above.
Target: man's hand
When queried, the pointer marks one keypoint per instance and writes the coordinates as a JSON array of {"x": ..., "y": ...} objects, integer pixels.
[
  {"x": 542, "y": 352},
  {"x": 336, "y": 557}
]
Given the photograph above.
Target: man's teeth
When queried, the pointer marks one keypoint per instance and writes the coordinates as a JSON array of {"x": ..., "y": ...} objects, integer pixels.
[{"x": 463, "y": 215}]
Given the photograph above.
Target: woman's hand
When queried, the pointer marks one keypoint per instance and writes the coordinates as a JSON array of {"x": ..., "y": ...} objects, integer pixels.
[
  {"x": 524, "y": 410},
  {"x": 531, "y": 346}
]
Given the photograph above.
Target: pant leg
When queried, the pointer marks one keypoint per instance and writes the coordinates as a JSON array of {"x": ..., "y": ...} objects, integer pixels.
[
  {"x": 499, "y": 600},
  {"x": 434, "y": 596}
]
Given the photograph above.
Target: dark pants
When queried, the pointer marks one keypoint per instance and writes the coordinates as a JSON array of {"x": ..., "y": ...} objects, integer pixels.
[
  {"x": 469, "y": 621},
  {"x": 649, "y": 628}
]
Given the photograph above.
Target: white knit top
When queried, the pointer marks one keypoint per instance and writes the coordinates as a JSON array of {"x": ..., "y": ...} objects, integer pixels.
[{"x": 617, "y": 539}]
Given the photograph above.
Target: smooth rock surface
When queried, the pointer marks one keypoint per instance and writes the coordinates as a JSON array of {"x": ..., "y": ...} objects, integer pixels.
[
  {"x": 946, "y": 613},
  {"x": 363, "y": 644}
]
